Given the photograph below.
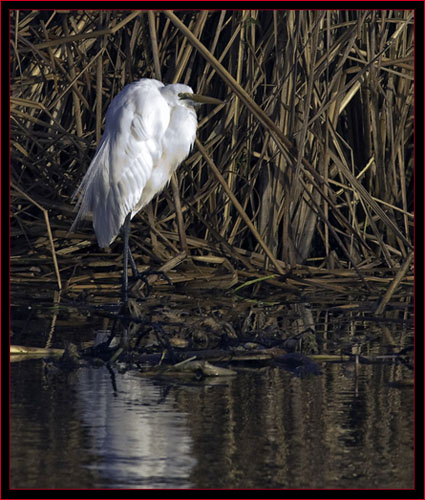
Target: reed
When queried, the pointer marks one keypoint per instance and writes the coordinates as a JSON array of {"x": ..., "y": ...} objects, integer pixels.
[{"x": 308, "y": 166}]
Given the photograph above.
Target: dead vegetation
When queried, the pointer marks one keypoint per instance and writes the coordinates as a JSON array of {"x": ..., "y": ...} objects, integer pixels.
[{"x": 306, "y": 172}]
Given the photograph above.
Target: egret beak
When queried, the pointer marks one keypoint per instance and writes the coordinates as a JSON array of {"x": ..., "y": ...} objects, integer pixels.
[{"x": 201, "y": 99}]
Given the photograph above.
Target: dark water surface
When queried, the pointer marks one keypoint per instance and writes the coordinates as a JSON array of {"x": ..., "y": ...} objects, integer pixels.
[{"x": 258, "y": 429}]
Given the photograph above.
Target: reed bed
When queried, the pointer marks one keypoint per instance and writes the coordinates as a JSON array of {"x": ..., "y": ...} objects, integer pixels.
[{"x": 306, "y": 173}]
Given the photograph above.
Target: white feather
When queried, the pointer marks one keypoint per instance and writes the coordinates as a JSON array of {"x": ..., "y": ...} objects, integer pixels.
[{"x": 149, "y": 131}]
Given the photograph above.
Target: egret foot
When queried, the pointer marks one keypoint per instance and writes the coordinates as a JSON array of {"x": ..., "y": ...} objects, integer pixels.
[{"x": 143, "y": 276}]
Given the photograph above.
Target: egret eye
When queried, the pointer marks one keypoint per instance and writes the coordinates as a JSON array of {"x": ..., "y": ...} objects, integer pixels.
[{"x": 184, "y": 95}]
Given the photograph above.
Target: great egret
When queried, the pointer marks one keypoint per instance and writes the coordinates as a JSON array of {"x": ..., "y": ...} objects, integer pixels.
[{"x": 150, "y": 129}]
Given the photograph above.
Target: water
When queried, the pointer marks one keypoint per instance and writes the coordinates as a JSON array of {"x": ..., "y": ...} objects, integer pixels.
[{"x": 262, "y": 428}]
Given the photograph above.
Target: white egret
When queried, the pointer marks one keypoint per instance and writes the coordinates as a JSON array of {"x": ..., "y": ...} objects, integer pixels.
[{"x": 150, "y": 129}]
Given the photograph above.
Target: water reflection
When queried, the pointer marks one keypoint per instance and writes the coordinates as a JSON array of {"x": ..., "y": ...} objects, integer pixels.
[
  {"x": 260, "y": 429},
  {"x": 144, "y": 440}
]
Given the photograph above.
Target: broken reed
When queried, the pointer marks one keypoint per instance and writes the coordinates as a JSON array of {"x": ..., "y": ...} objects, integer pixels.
[{"x": 310, "y": 161}]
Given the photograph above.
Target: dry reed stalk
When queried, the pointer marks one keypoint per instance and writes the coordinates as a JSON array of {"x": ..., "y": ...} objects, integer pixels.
[{"x": 315, "y": 144}]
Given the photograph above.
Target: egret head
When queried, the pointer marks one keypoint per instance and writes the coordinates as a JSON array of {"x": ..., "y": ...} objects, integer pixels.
[
  {"x": 179, "y": 93},
  {"x": 198, "y": 99}
]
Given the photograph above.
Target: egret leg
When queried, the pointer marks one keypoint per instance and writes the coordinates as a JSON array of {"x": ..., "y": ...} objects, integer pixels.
[
  {"x": 126, "y": 236},
  {"x": 124, "y": 308}
]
